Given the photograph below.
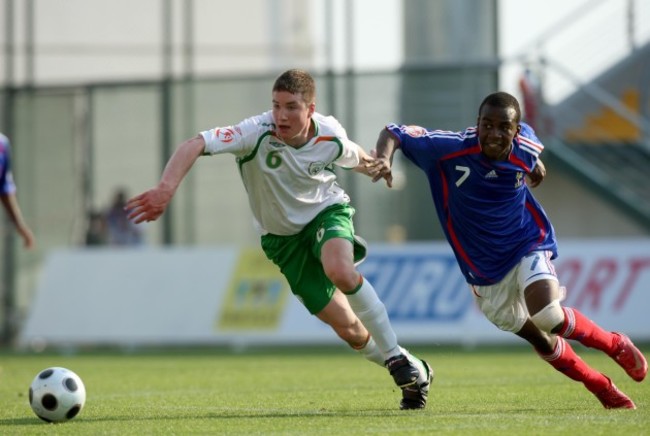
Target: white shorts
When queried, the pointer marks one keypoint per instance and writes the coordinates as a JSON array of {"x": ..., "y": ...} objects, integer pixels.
[{"x": 503, "y": 303}]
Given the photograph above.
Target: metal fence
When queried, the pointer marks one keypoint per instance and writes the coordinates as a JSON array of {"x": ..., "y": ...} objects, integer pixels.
[{"x": 75, "y": 146}]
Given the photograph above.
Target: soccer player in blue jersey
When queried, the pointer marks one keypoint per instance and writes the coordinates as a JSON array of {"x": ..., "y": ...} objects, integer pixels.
[
  {"x": 286, "y": 158},
  {"x": 502, "y": 239},
  {"x": 8, "y": 195}
]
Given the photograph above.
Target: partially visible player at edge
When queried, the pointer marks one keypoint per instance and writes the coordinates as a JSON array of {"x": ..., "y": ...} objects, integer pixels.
[
  {"x": 286, "y": 158},
  {"x": 502, "y": 238},
  {"x": 8, "y": 194}
]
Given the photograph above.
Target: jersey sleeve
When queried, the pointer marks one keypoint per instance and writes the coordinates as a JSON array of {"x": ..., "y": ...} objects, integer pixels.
[
  {"x": 349, "y": 157},
  {"x": 529, "y": 145},
  {"x": 416, "y": 143},
  {"x": 239, "y": 139},
  {"x": 7, "y": 185}
]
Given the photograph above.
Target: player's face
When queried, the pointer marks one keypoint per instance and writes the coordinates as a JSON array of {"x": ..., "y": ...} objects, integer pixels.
[
  {"x": 292, "y": 116},
  {"x": 497, "y": 127}
]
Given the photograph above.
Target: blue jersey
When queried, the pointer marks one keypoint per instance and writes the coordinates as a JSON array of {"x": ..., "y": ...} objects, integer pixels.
[
  {"x": 485, "y": 207},
  {"x": 7, "y": 185}
]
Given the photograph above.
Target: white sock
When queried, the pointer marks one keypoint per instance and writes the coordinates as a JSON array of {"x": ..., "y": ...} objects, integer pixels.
[
  {"x": 372, "y": 313},
  {"x": 372, "y": 353}
]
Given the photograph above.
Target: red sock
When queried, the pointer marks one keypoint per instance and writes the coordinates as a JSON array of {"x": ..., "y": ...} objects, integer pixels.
[
  {"x": 565, "y": 360},
  {"x": 580, "y": 328}
]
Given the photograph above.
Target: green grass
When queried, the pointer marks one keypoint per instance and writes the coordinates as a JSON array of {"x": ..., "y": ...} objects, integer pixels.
[{"x": 492, "y": 391}]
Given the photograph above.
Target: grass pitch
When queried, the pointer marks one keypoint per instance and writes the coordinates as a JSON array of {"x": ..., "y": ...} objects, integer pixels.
[{"x": 491, "y": 391}]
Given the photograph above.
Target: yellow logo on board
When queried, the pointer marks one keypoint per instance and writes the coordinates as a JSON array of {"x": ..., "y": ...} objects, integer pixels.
[{"x": 256, "y": 296}]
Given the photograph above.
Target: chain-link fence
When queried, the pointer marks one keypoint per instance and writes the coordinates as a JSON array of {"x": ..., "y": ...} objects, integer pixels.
[{"x": 74, "y": 147}]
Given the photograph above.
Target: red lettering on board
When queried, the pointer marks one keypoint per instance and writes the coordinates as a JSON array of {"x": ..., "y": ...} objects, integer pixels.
[
  {"x": 600, "y": 276},
  {"x": 569, "y": 272},
  {"x": 636, "y": 266}
]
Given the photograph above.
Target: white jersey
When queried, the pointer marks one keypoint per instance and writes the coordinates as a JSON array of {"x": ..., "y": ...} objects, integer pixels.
[{"x": 287, "y": 187}]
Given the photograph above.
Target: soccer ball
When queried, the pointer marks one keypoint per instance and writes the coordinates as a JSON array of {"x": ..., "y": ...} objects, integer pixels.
[{"x": 57, "y": 394}]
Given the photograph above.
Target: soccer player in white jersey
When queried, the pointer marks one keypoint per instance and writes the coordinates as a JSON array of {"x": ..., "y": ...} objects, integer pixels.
[
  {"x": 8, "y": 195},
  {"x": 502, "y": 239},
  {"x": 286, "y": 158}
]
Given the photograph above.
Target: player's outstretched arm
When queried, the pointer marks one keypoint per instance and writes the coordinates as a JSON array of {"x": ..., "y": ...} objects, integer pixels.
[
  {"x": 537, "y": 174},
  {"x": 151, "y": 204},
  {"x": 385, "y": 148},
  {"x": 10, "y": 204}
]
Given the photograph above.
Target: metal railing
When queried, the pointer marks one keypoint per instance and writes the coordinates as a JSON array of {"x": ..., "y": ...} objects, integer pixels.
[
  {"x": 583, "y": 66},
  {"x": 568, "y": 57}
]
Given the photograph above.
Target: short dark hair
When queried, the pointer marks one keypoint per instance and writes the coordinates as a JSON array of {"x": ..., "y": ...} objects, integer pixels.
[
  {"x": 501, "y": 100},
  {"x": 297, "y": 81}
]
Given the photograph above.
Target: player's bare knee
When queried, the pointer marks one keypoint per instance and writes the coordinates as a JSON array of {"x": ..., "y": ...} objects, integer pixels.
[
  {"x": 549, "y": 318},
  {"x": 344, "y": 278}
]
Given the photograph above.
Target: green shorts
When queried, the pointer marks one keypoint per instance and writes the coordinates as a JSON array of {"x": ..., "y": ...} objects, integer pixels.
[{"x": 298, "y": 256}]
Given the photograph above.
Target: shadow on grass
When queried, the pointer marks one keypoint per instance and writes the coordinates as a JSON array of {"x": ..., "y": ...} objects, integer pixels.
[{"x": 226, "y": 415}]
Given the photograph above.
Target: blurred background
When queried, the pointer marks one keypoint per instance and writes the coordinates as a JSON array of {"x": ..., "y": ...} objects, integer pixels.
[{"x": 95, "y": 95}]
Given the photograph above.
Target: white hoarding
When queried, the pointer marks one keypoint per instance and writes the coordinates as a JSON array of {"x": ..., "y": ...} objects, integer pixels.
[{"x": 232, "y": 295}]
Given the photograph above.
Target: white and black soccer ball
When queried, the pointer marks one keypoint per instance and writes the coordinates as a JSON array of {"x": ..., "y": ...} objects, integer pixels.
[{"x": 57, "y": 394}]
